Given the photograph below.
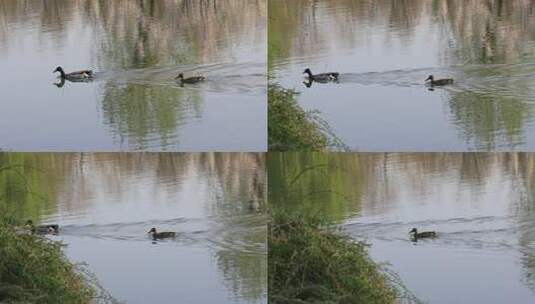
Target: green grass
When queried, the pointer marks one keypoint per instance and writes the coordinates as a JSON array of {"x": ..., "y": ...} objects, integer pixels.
[
  {"x": 310, "y": 263},
  {"x": 34, "y": 269},
  {"x": 292, "y": 128}
]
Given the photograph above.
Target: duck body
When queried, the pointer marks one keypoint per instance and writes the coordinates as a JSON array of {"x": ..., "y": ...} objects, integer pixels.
[
  {"x": 439, "y": 82},
  {"x": 421, "y": 235},
  {"x": 83, "y": 75},
  {"x": 42, "y": 229},
  {"x": 190, "y": 80},
  {"x": 161, "y": 235},
  {"x": 324, "y": 77}
]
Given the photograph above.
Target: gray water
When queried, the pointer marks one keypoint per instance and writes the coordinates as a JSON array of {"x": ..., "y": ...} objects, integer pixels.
[
  {"x": 385, "y": 49},
  {"x": 480, "y": 205},
  {"x": 106, "y": 203},
  {"x": 136, "y": 49}
]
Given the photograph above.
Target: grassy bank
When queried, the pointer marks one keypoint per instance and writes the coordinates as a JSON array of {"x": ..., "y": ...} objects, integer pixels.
[
  {"x": 35, "y": 270},
  {"x": 311, "y": 264},
  {"x": 292, "y": 128}
]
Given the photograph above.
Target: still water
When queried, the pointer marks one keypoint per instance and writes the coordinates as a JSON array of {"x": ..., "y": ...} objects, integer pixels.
[
  {"x": 106, "y": 203},
  {"x": 136, "y": 49},
  {"x": 385, "y": 49},
  {"x": 481, "y": 206}
]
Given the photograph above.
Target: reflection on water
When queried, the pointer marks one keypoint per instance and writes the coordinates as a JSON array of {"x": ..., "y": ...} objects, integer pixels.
[
  {"x": 106, "y": 203},
  {"x": 136, "y": 49},
  {"x": 481, "y": 206},
  {"x": 385, "y": 49}
]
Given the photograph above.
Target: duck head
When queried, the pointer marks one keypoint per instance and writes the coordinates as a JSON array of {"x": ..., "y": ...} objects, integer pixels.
[
  {"x": 308, "y": 71},
  {"x": 29, "y": 223},
  {"x": 152, "y": 230},
  {"x": 413, "y": 231},
  {"x": 60, "y": 70},
  {"x": 180, "y": 76},
  {"x": 430, "y": 78}
]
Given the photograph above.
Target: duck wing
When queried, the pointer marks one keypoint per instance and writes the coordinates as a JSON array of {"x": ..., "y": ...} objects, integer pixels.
[
  {"x": 193, "y": 79},
  {"x": 80, "y": 74},
  {"x": 325, "y": 76}
]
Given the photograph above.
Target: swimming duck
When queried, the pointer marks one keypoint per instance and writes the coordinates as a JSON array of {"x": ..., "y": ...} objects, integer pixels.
[
  {"x": 42, "y": 229},
  {"x": 325, "y": 77},
  {"x": 439, "y": 82},
  {"x": 421, "y": 235},
  {"x": 161, "y": 235},
  {"x": 75, "y": 76},
  {"x": 194, "y": 79}
]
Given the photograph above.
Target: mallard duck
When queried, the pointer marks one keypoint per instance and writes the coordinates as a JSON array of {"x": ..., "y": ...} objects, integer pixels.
[
  {"x": 42, "y": 229},
  {"x": 422, "y": 235},
  {"x": 439, "y": 82},
  {"x": 325, "y": 77},
  {"x": 74, "y": 76},
  {"x": 161, "y": 235},
  {"x": 194, "y": 79}
]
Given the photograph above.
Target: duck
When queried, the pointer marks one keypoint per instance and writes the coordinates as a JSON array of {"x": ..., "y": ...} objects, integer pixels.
[
  {"x": 161, "y": 235},
  {"x": 42, "y": 229},
  {"x": 324, "y": 77},
  {"x": 82, "y": 75},
  {"x": 439, "y": 82},
  {"x": 421, "y": 235},
  {"x": 190, "y": 80}
]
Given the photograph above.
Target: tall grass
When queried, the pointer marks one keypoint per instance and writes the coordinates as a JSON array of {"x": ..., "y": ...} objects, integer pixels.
[
  {"x": 34, "y": 270},
  {"x": 311, "y": 263},
  {"x": 292, "y": 128}
]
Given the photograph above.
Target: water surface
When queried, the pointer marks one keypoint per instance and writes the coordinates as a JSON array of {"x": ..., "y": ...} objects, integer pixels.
[
  {"x": 136, "y": 48},
  {"x": 481, "y": 206},
  {"x": 385, "y": 49},
  {"x": 106, "y": 203}
]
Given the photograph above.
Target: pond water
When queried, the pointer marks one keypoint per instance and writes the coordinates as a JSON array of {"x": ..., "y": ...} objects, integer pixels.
[
  {"x": 136, "y": 49},
  {"x": 385, "y": 49},
  {"x": 480, "y": 205},
  {"x": 106, "y": 203}
]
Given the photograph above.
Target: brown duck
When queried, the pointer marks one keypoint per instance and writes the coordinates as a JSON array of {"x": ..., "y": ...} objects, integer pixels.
[
  {"x": 161, "y": 235},
  {"x": 439, "y": 82},
  {"x": 189, "y": 80},
  {"x": 421, "y": 235}
]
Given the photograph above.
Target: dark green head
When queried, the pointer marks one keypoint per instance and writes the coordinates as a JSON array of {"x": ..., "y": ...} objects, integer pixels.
[
  {"x": 430, "y": 78},
  {"x": 152, "y": 230},
  {"x": 59, "y": 69},
  {"x": 308, "y": 71},
  {"x": 413, "y": 230},
  {"x": 180, "y": 76},
  {"x": 29, "y": 223}
]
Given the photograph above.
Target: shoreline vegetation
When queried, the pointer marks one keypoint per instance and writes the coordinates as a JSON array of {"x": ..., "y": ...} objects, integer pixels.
[
  {"x": 34, "y": 269},
  {"x": 290, "y": 127},
  {"x": 312, "y": 263}
]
